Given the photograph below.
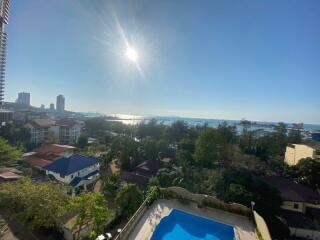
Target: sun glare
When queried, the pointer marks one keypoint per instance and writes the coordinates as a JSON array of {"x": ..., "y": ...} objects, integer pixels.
[{"x": 132, "y": 54}]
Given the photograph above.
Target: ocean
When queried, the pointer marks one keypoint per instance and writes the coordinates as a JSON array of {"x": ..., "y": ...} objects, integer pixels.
[{"x": 168, "y": 120}]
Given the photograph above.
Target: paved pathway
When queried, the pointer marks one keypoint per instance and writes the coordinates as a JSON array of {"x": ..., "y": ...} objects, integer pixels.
[{"x": 161, "y": 208}]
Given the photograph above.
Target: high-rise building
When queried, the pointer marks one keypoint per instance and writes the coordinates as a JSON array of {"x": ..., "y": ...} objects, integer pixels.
[
  {"x": 4, "y": 16},
  {"x": 24, "y": 98},
  {"x": 51, "y": 107},
  {"x": 60, "y": 103}
]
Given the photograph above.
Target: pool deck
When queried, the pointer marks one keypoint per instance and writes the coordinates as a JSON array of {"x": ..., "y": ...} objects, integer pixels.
[{"x": 150, "y": 219}]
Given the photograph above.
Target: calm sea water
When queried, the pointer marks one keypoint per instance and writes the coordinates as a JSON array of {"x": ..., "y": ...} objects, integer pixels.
[{"x": 135, "y": 119}]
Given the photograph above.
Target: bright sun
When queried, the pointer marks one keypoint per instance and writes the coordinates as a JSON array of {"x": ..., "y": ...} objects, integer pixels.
[{"x": 132, "y": 54}]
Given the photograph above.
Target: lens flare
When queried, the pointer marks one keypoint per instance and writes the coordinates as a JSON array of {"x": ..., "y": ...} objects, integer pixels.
[{"x": 132, "y": 54}]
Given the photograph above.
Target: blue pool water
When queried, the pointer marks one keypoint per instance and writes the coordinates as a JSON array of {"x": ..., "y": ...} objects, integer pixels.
[{"x": 180, "y": 225}]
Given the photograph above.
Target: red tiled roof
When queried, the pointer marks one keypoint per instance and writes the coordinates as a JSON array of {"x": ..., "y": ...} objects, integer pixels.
[
  {"x": 54, "y": 149},
  {"x": 9, "y": 175},
  {"x": 66, "y": 122},
  {"x": 12, "y": 170},
  {"x": 42, "y": 122},
  {"x": 37, "y": 162}
]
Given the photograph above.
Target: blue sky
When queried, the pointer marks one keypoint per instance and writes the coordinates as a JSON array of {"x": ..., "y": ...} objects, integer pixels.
[{"x": 230, "y": 59}]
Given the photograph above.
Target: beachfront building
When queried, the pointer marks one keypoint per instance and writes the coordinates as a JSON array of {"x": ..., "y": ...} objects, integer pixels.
[
  {"x": 65, "y": 131},
  {"x": 69, "y": 130},
  {"x": 39, "y": 129},
  {"x": 79, "y": 172},
  {"x": 296, "y": 152}
]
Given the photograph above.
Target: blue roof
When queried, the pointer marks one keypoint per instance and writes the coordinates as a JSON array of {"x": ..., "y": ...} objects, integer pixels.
[{"x": 69, "y": 165}]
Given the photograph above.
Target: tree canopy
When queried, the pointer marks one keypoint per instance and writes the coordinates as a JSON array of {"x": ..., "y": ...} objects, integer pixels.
[
  {"x": 38, "y": 205},
  {"x": 91, "y": 208},
  {"x": 129, "y": 198},
  {"x": 8, "y": 153}
]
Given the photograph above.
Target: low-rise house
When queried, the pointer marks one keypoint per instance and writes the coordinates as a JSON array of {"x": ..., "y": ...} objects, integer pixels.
[
  {"x": 78, "y": 171},
  {"x": 142, "y": 173},
  {"x": 43, "y": 156},
  {"x": 296, "y": 152},
  {"x": 9, "y": 174},
  {"x": 300, "y": 208}
]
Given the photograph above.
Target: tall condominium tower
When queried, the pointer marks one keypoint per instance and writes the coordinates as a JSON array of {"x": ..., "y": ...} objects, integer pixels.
[
  {"x": 24, "y": 98},
  {"x": 60, "y": 103},
  {"x": 4, "y": 16}
]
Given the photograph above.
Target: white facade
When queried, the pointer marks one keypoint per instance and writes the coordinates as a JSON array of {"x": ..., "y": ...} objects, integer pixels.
[
  {"x": 68, "y": 178},
  {"x": 63, "y": 135}
]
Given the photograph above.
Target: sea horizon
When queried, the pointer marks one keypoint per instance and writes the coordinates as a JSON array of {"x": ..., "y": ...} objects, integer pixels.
[{"x": 133, "y": 119}]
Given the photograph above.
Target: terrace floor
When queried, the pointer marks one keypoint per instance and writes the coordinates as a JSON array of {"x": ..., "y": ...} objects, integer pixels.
[{"x": 150, "y": 219}]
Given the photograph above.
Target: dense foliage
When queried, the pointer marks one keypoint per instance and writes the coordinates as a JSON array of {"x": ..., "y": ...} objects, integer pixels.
[
  {"x": 91, "y": 208},
  {"x": 37, "y": 205},
  {"x": 129, "y": 198},
  {"x": 8, "y": 153}
]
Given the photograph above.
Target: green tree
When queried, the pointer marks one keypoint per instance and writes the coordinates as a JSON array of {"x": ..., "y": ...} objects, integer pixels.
[
  {"x": 129, "y": 198},
  {"x": 152, "y": 194},
  {"x": 8, "y": 154},
  {"x": 239, "y": 185},
  {"x": 178, "y": 130},
  {"x": 111, "y": 185},
  {"x": 308, "y": 172},
  {"x": 151, "y": 129},
  {"x": 212, "y": 148},
  {"x": 15, "y": 134},
  {"x": 294, "y": 136},
  {"x": 50, "y": 138},
  {"x": 39, "y": 205},
  {"x": 91, "y": 208},
  {"x": 82, "y": 141}
]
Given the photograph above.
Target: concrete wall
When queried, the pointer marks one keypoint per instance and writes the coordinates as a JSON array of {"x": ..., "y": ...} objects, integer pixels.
[
  {"x": 291, "y": 206},
  {"x": 296, "y": 152},
  {"x": 211, "y": 201},
  {"x": 262, "y": 226},
  {"x": 305, "y": 233}
]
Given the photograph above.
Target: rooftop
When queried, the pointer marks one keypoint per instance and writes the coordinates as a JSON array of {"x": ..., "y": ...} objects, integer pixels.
[
  {"x": 314, "y": 145},
  {"x": 298, "y": 220},
  {"x": 38, "y": 162},
  {"x": 66, "y": 122},
  {"x": 54, "y": 149},
  {"x": 291, "y": 191},
  {"x": 10, "y": 174},
  {"x": 42, "y": 122},
  {"x": 69, "y": 165}
]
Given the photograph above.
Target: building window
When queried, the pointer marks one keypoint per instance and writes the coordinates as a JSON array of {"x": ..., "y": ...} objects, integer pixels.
[{"x": 296, "y": 206}]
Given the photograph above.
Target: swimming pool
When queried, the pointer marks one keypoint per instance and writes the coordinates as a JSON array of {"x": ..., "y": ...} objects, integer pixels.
[{"x": 179, "y": 225}]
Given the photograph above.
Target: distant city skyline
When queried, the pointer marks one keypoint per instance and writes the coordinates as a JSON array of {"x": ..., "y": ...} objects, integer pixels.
[{"x": 210, "y": 59}]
